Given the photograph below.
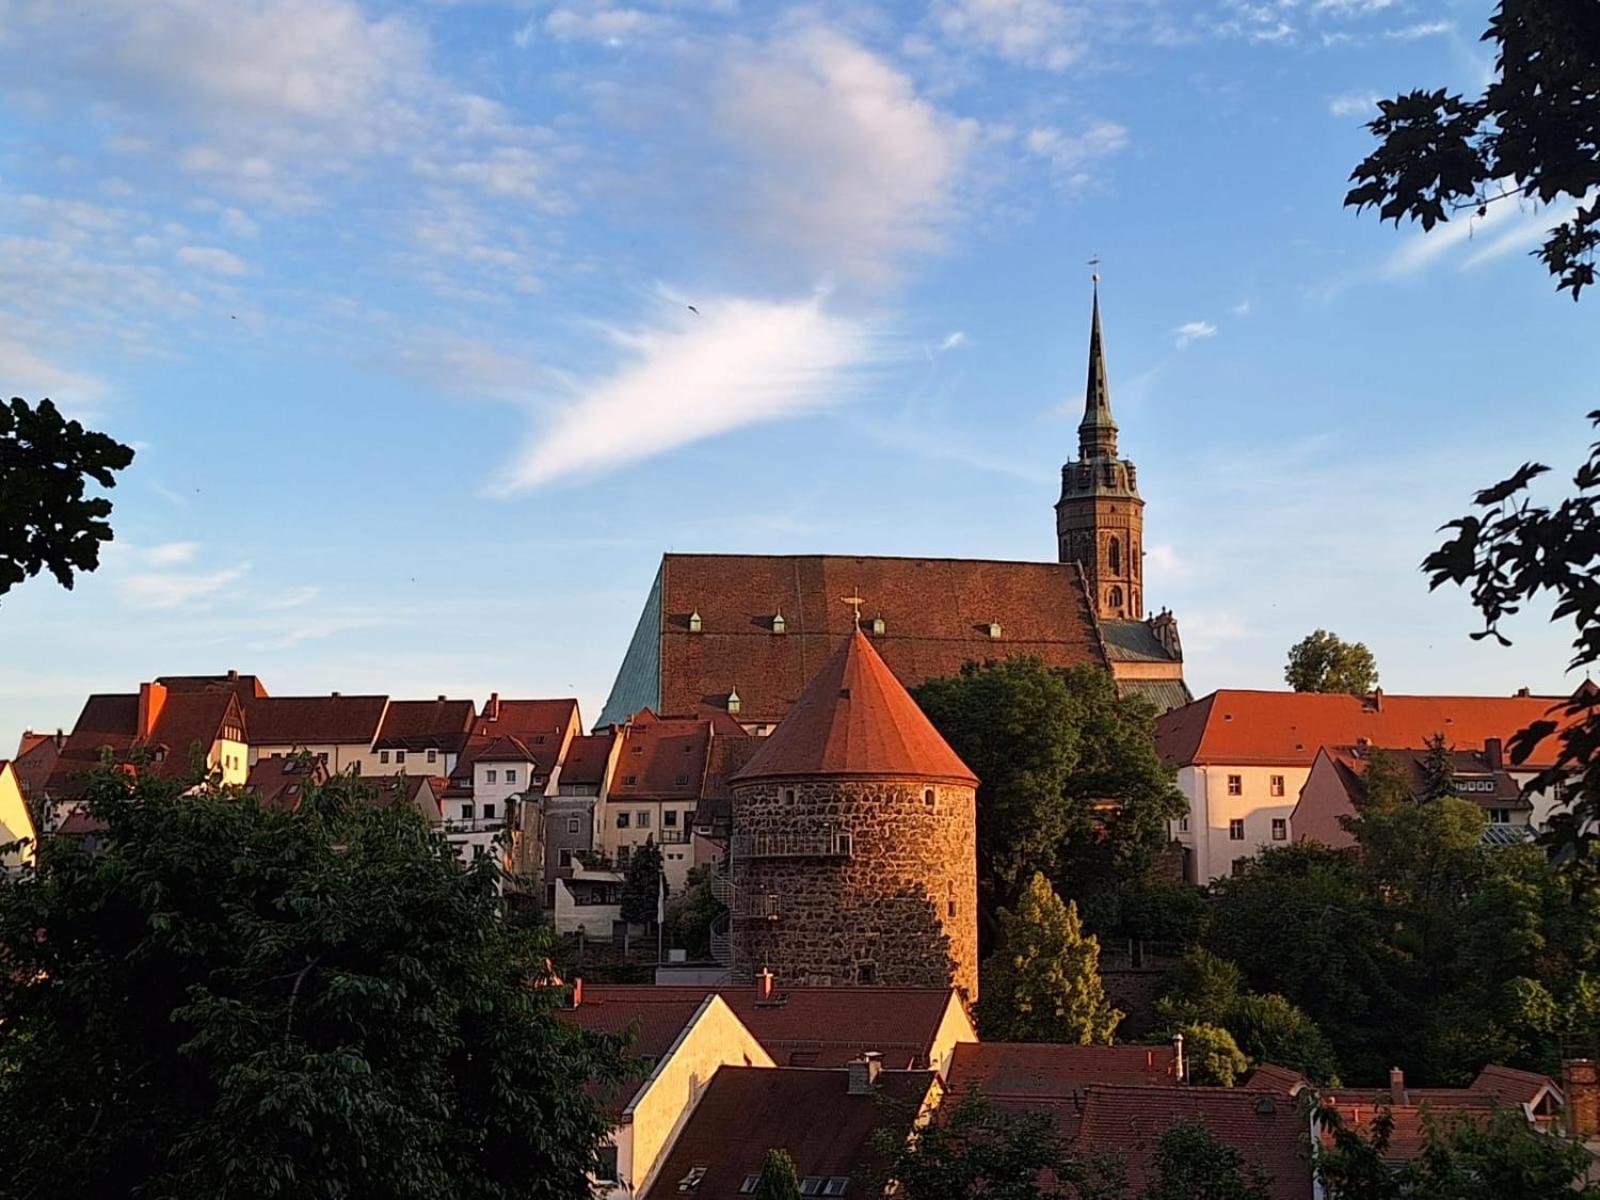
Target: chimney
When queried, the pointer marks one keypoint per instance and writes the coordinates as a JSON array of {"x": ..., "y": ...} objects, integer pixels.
[
  {"x": 152, "y": 699},
  {"x": 233, "y": 674},
  {"x": 764, "y": 985},
  {"x": 1580, "y": 1083},
  {"x": 441, "y": 699},
  {"x": 1180, "y": 1068},
  {"x": 1494, "y": 751},
  {"x": 1377, "y": 699},
  {"x": 1397, "y": 1085},
  {"x": 335, "y": 695},
  {"x": 61, "y": 738},
  {"x": 491, "y": 710},
  {"x": 864, "y": 1074},
  {"x": 1522, "y": 693},
  {"x": 577, "y": 991}
]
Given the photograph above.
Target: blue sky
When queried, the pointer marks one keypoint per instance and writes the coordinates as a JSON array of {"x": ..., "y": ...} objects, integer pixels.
[{"x": 394, "y": 302}]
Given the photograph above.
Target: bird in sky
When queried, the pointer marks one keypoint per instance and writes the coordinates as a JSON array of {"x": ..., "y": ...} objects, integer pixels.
[{"x": 693, "y": 309}]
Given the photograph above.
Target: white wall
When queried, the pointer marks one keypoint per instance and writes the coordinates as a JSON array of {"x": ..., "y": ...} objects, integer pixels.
[{"x": 1212, "y": 808}]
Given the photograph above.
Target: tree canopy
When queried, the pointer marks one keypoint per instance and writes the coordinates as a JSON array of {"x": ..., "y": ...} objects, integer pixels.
[
  {"x": 235, "y": 1000},
  {"x": 1192, "y": 1164},
  {"x": 1070, "y": 782},
  {"x": 1532, "y": 135},
  {"x": 644, "y": 886},
  {"x": 1042, "y": 983},
  {"x": 779, "y": 1179},
  {"x": 46, "y": 521},
  {"x": 1324, "y": 662}
]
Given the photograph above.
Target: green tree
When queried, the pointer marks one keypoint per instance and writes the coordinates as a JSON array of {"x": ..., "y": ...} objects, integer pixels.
[
  {"x": 779, "y": 1180},
  {"x": 1532, "y": 134},
  {"x": 1212, "y": 1056},
  {"x": 1042, "y": 983},
  {"x": 1512, "y": 552},
  {"x": 641, "y": 891},
  {"x": 1070, "y": 782},
  {"x": 1498, "y": 1157},
  {"x": 975, "y": 1151},
  {"x": 1438, "y": 770},
  {"x": 1192, "y": 1164},
  {"x": 46, "y": 521},
  {"x": 692, "y": 913},
  {"x": 1323, "y": 662},
  {"x": 230, "y": 1000}
]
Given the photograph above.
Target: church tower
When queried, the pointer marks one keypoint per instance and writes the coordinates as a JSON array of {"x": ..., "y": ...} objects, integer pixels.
[{"x": 1100, "y": 517}]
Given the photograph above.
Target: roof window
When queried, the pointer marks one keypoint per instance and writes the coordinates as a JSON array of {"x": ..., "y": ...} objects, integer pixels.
[
  {"x": 695, "y": 624},
  {"x": 778, "y": 623},
  {"x": 994, "y": 631},
  {"x": 691, "y": 1181},
  {"x": 734, "y": 703},
  {"x": 836, "y": 1185},
  {"x": 877, "y": 626}
]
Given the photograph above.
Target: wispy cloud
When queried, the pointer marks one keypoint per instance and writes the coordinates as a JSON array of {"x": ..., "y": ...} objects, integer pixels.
[
  {"x": 1352, "y": 104},
  {"x": 1192, "y": 331},
  {"x": 211, "y": 258},
  {"x": 953, "y": 341},
  {"x": 740, "y": 362},
  {"x": 1034, "y": 33},
  {"x": 1070, "y": 155},
  {"x": 178, "y": 589},
  {"x": 1423, "y": 29},
  {"x": 848, "y": 165}
]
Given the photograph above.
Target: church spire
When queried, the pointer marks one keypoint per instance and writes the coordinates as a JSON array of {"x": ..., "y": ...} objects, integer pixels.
[{"x": 1097, "y": 432}]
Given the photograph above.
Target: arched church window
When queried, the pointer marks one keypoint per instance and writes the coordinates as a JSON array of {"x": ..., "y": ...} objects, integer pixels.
[
  {"x": 1114, "y": 557},
  {"x": 1114, "y": 597}
]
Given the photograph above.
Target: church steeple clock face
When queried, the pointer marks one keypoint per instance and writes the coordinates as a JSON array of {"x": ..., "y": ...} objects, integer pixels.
[{"x": 1100, "y": 517}]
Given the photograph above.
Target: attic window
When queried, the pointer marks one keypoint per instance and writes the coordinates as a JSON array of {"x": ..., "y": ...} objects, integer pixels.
[
  {"x": 629, "y": 780},
  {"x": 877, "y": 626},
  {"x": 994, "y": 631},
  {"x": 694, "y": 622},
  {"x": 682, "y": 781},
  {"x": 811, "y": 1185},
  {"x": 691, "y": 1181},
  {"x": 836, "y": 1185},
  {"x": 749, "y": 1184},
  {"x": 734, "y": 702},
  {"x": 778, "y": 624}
]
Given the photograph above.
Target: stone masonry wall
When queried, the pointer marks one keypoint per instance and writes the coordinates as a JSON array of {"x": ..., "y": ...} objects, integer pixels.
[{"x": 901, "y": 910}]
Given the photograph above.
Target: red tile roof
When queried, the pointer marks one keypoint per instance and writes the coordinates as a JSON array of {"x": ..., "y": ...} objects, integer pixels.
[
  {"x": 1409, "y": 1134},
  {"x": 585, "y": 763},
  {"x": 315, "y": 720},
  {"x": 801, "y": 1026},
  {"x": 1263, "y": 1126},
  {"x": 422, "y": 724},
  {"x": 855, "y": 718},
  {"x": 1275, "y": 1078},
  {"x": 541, "y": 725},
  {"x": 186, "y": 719},
  {"x": 937, "y": 614},
  {"x": 1289, "y": 728},
  {"x": 661, "y": 759},
  {"x": 1023, "y": 1069},
  {"x": 246, "y": 687},
  {"x": 505, "y": 749},
  {"x": 747, "y": 1111},
  {"x": 281, "y": 782},
  {"x": 1511, "y": 1086},
  {"x": 36, "y": 761}
]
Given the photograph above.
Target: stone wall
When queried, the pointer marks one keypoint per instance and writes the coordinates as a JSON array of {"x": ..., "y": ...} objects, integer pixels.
[{"x": 899, "y": 910}]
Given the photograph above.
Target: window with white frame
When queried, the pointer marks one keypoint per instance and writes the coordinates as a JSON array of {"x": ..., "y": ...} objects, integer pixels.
[
  {"x": 1280, "y": 829},
  {"x": 1236, "y": 830}
]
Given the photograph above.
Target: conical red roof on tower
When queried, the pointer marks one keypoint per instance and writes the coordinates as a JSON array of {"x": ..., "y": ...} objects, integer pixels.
[{"x": 855, "y": 718}]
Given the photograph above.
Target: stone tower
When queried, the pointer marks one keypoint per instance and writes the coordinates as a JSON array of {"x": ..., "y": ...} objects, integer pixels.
[
  {"x": 1100, "y": 518},
  {"x": 854, "y": 846}
]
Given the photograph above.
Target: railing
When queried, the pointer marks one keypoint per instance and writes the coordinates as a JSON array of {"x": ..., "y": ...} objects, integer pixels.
[
  {"x": 673, "y": 837},
  {"x": 820, "y": 843},
  {"x": 1133, "y": 954},
  {"x": 475, "y": 825}
]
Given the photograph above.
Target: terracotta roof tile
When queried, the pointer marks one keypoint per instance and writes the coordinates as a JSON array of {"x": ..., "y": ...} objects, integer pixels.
[
  {"x": 936, "y": 615},
  {"x": 747, "y": 1111},
  {"x": 281, "y": 782},
  {"x": 585, "y": 763},
  {"x": 420, "y": 724},
  {"x": 800, "y": 1026},
  {"x": 36, "y": 761},
  {"x": 1272, "y": 1077},
  {"x": 541, "y": 725},
  {"x": 856, "y": 718},
  {"x": 661, "y": 758},
  {"x": 1022, "y": 1069},
  {"x": 1263, "y": 1126},
  {"x": 1511, "y": 1086},
  {"x": 315, "y": 720},
  {"x": 1290, "y": 727}
]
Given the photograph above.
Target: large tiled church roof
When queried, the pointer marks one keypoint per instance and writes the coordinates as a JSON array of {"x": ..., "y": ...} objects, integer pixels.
[
  {"x": 936, "y": 614},
  {"x": 856, "y": 719}
]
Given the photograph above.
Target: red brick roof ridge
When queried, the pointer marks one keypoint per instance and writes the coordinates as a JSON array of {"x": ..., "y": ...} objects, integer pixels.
[{"x": 855, "y": 718}]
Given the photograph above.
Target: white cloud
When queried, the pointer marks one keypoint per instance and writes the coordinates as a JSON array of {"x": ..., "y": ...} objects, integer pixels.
[
  {"x": 604, "y": 24},
  {"x": 1424, "y": 249},
  {"x": 28, "y": 373},
  {"x": 1526, "y": 233},
  {"x": 1351, "y": 8},
  {"x": 1241, "y": 309},
  {"x": 740, "y": 362},
  {"x": 953, "y": 341},
  {"x": 1352, "y": 104},
  {"x": 1034, "y": 33},
  {"x": 211, "y": 258},
  {"x": 1192, "y": 331},
  {"x": 169, "y": 554},
  {"x": 1423, "y": 29},
  {"x": 849, "y": 166},
  {"x": 239, "y": 223},
  {"x": 1070, "y": 154},
  {"x": 178, "y": 589}
]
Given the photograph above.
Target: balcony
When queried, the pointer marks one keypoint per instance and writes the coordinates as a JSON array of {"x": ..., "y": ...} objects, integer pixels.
[
  {"x": 819, "y": 843},
  {"x": 475, "y": 825}
]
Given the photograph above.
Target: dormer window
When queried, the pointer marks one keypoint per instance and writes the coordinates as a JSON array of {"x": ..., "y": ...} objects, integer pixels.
[
  {"x": 994, "y": 631},
  {"x": 694, "y": 622},
  {"x": 877, "y": 626},
  {"x": 778, "y": 624},
  {"x": 734, "y": 703}
]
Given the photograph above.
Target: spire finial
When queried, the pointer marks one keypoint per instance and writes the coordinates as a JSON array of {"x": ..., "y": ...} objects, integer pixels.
[
  {"x": 855, "y": 600},
  {"x": 1097, "y": 432}
]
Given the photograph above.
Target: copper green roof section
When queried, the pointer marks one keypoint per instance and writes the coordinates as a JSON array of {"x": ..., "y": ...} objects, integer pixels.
[
  {"x": 638, "y": 682},
  {"x": 1097, "y": 432}
]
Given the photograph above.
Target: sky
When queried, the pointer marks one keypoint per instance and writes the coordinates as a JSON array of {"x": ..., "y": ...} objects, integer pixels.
[{"x": 434, "y": 325}]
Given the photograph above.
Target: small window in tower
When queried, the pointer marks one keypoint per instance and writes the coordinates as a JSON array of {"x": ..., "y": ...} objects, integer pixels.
[
  {"x": 928, "y": 800},
  {"x": 788, "y": 795},
  {"x": 1114, "y": 556},
  {"x": 1114, "y": 598}
]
